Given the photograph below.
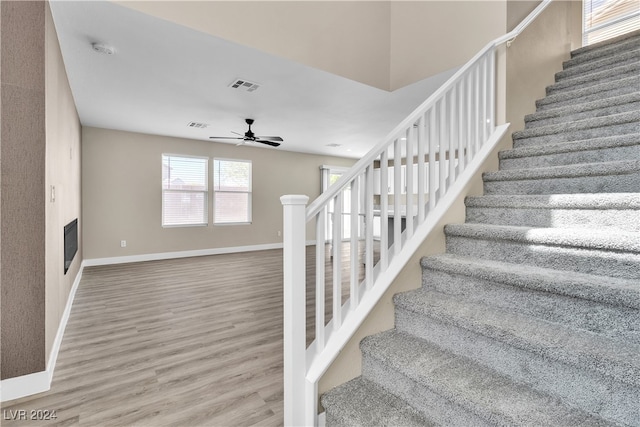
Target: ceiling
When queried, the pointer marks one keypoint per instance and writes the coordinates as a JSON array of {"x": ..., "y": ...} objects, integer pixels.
[{"x": 162, "y": 76}]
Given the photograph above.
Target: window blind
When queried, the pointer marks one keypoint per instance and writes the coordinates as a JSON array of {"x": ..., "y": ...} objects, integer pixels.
[
  {"x": 605, "y": 19},
  {"x": 232, "y": 191},
  {"x": 184, "y": 190}
]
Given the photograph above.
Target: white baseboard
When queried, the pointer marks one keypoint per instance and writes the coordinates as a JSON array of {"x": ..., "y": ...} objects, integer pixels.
[
  {"x": 183, "y": 254},
  {"x": 38, "y": 382},
  {"x": 180, "y": 254}
]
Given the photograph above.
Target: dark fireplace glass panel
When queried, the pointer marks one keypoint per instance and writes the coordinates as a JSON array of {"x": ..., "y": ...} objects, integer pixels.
[{"x": 70, "y": 243}]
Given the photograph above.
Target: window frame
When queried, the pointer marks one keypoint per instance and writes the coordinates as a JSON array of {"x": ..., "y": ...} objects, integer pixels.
[
  {"x": 205, "y": 192},
  {"x": 249, "y": 192}
]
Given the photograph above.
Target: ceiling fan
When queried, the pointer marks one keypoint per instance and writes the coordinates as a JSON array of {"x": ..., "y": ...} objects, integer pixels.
[{"x": 251, "y": 137}]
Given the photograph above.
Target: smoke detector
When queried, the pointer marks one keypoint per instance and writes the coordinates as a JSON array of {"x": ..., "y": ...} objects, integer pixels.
[{"x": 103, "y": 48}]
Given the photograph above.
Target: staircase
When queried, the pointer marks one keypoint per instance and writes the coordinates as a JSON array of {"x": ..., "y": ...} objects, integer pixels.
[{"x": 532, "y": 317}]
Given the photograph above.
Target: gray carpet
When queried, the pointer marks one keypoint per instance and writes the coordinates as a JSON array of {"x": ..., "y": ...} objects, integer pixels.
[{"x": 532, "y": 316}]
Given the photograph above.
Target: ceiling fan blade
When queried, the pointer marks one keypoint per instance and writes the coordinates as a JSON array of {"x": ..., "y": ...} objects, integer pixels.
[
  {"x": 224, "y": 137},
  {"x": 270, "y": 138},
  {"x": 238, "y": 133},
  {"x": 267, "y": 142}
]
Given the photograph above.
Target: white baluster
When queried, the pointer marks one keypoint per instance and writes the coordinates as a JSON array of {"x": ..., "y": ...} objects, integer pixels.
[
  {"x": 384, "y": 210},
  {"x": 397, "y": 195},
  {"x": 409, "y": 135},
  {"x": 369, "y": 226},
  {"x": 432, "y": 158},
  {"x": 355, "y": 236},
  {"x": 321, "y": 238},
  {"x": 337, "y": 261},
  {"x": 421, "y": 165}
]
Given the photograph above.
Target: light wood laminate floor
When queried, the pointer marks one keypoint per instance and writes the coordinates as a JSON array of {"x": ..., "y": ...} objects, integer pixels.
[{"x": 184, "y": 342}]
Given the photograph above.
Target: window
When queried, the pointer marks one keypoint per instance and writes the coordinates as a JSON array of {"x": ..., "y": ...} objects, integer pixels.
[
  {"x": 605, "y": 19},
  {"x": 184, "y": 190},
  {"x": 231, "y": 191}
]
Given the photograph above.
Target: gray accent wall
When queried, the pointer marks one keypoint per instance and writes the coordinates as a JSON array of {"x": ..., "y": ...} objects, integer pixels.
[
  {"x": 23, "y": 143},
  {"x": 39, "y": 148}
]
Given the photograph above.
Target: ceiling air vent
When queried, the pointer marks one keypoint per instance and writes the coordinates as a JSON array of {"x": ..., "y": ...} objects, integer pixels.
[
  {"x": 334, "y": 145},
  {"x": 244, "y": 85},
  {"x": 197, "y": 125}
]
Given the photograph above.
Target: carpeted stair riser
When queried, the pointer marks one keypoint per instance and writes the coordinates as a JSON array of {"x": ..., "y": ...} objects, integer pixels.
[
  {"x": 587, "y": 94},
  {"x": 611, "y": 48},
  {"x": 608, "y": 291},
  {"x": 542, "y": 248},
  {"x": 619, "y": 211},
  {"x": 617, "y": 124},
  {"x": 589, "y": 79},
  {"x": 611, "y": 321},
  {"x": 610, "y": 149},
  {"x": 580, "y": 178},
  {"x": 361, "y": 402},
  {"x": 571, "y": 113},
  {"x": 577, "y": 386},
  {"x": 570, "y": 70},
  {"x": 627, "y": 220},
  {"x": 421, "y": 373}
]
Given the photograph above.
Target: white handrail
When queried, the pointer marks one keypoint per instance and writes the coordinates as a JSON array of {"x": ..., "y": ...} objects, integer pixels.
[{"x": 423, "y": 164}]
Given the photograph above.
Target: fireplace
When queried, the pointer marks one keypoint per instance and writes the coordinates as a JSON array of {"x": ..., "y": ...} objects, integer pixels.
[{"x": 70, "y": 243}]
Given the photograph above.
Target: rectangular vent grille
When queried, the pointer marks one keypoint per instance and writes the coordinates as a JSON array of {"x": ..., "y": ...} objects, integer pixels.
[
  {"x": 197, "y": 125},
  {"x": 244, "y": 85},
  {"x": 334, "y": 145}
]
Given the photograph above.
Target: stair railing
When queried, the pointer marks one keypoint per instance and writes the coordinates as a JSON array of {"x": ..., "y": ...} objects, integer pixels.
[{"x": 371, "y": 221}]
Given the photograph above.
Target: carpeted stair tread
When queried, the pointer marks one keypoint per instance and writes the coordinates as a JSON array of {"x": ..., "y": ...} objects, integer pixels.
[
  {"x": 606, "y": 240},
  {"x": 590, "y": 93},
  {"x": 473, "y": 387},
  {"x": 598, "y": 108},
  {"x": 618, "y": 201},
  {"x": 628, "y": 56},
  {"x": 584, "y": 350},
  {"x": 554, "y": 296},
  {"x": 608, "y": 47},
  {"x": 615, "y": 141},
  {"x": 594, "y": 123},
  {"x": 616, "y": 211},
  {"x": 603, "y": 252},
  {"x": 600, "y": 289},
  {"x": 565, "y": 171},
  {"x": 361, "y": 402},
  {"x": 615, "y": 72}
]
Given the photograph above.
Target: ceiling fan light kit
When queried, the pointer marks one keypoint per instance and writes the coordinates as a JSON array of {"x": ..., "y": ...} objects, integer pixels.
[{"x": 249, "y": 136}]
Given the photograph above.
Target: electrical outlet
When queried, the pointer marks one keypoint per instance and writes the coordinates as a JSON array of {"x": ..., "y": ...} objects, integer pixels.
[
  {"x": 279, "y": 233},
  {"x": 123, "y": 243}
]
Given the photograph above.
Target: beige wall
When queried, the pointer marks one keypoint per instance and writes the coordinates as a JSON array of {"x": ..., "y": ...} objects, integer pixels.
[
  {"x": 62, "y": 172},
  {"x": 429, "y": 37},
  {"x": 530, "y": 65},
  {"x": 121, "y": 193},
  {"x": 535, "y": 56},
  {"x": 385, "y": 44}
]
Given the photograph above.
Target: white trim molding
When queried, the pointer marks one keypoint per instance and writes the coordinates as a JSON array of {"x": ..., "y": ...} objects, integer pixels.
[
  {"x": 184, "y": 254},
  {"x": 38, "y": 382}
]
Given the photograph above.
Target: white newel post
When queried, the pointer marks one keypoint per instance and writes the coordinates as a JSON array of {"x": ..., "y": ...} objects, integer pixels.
[{"x": 295, "y": 385}]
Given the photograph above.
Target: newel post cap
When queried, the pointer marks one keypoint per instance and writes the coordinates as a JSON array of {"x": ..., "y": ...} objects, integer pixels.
[{"x": 294, "y": 199}]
